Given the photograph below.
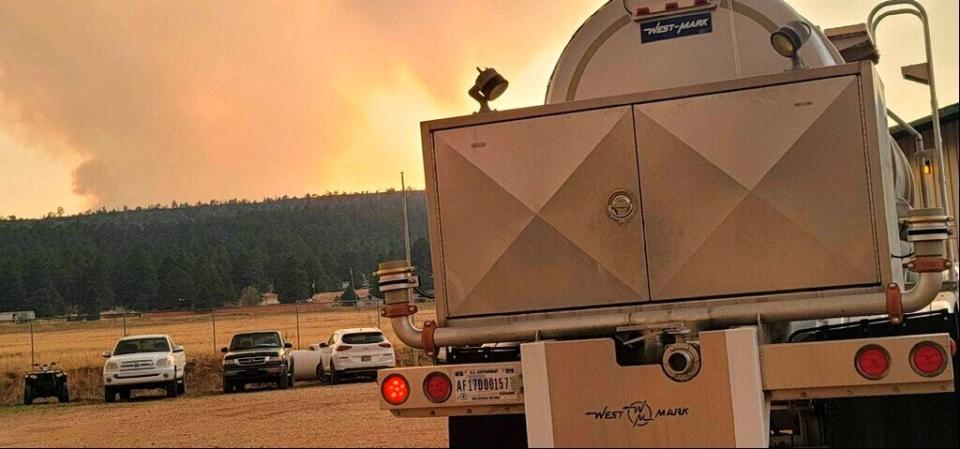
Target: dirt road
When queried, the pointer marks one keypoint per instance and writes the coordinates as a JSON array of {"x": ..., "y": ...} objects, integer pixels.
[{"x": 311, "y": 416}]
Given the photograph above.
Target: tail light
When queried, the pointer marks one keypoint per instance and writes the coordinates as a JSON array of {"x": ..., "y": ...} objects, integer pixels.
[
  {"x": 873, "y": 362},
  {"x": 928, "y": 359},
  {"x": 437, "y": 387},
  {"x": 344, "y": 348},
  {"x": 386, "y": 345},
  {"x": 395, "y": 389}
]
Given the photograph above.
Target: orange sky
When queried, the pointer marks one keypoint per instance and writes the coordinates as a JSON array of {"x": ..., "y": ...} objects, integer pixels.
[{"x": 107, "y": 103}]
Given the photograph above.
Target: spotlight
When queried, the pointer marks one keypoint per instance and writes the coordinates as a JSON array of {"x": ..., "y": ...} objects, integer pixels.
[
  {"x": 789, "y": 39},
  {"x": 489, "y": 86}
]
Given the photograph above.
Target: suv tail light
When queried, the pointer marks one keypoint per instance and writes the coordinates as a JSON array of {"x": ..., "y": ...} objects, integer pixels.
[
  {"x": 386, "y": 345},
  {"x": 437, "y": 387},
  {"x": 872, "y": 362},
  {"x": 928, "y": 359},
  {"x": 395, "y": 389},
  {"x": 344, "y": 348}
]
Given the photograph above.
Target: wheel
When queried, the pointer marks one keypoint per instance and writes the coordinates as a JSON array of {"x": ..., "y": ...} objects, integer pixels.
[
  {"x": 125, "y": 394},
  {"x": 172, "y": 389},
  {"x": 109, "y": 395},
  {"x": 334, "y": 377},
  {"x": 290, "y": 374},
  {"x": 283, "y": 382},
  {"x": 64, "y": 396},
  {"x": 27, "y": 395},
  {"x": 182, "y": 387},
  {"x": 241, "y": 387},
  {"x": 228, "y": 386},
  {"x": 504, "y": 431},
  {"x": 320, "y": 371}
]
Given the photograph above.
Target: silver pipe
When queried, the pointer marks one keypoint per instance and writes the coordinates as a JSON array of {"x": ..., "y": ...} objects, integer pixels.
[
  {"x": 923, "y": 293},
  {"x": 919, "y": 153},
  {"x": 407, "y": 332},
  {"x": 874, "y": 20}
]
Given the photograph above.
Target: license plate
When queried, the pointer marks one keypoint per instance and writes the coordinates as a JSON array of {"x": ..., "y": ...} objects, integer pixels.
[
  {"x": 486, "y": 384},
  {"x": 366, "y": 358}
]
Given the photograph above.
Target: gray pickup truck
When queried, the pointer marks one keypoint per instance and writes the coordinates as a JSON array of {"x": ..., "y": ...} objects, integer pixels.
[{"x": 257, "y": 358}]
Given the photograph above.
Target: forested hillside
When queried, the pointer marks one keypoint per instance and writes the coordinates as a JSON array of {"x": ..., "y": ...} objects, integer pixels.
[{"x": 203, "y": 256}]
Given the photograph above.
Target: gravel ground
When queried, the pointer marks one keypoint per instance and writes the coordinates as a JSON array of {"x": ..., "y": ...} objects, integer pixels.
[{"x": 309, "y": 416}]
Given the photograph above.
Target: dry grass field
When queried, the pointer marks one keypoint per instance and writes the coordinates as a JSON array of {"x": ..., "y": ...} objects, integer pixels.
[{"x": 77, "y": 346}]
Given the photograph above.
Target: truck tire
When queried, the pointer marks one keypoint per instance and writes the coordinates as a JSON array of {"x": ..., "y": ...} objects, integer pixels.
[
  {"x": 283, "y": 381},
  {"x": 64, "y": 396},
  {"x": 290, "y": 375},
  {"x": 502, "y": 431},
  {"x": 172, "y": 389},
  {"x": 182, "y": 386},
  {"x": 334, "y": 377},
  {"x": 27, "y": 395},
  {"x": 125, "y": 394},
  {"x": 228, "y": 386},
  {"x": 109, "y": 395}
]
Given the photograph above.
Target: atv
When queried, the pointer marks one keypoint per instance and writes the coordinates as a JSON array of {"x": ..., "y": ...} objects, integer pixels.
[{"x": 45, "y": 381}]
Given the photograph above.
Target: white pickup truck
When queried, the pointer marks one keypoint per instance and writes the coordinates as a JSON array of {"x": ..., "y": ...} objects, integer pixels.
[{"x": 144, "y": 362}]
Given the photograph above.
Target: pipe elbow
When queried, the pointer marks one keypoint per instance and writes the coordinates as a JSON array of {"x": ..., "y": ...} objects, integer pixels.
[
  {"x": 409, "y": 334},
  {"x": 923, "y": 293}
]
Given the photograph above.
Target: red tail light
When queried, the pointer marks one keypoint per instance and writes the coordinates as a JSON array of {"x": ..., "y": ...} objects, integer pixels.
[
  {"x": 928, "y": 359},
  {"x": 873, "y": 362},
  {"x": 395, "y": 389},
  {"x": 437, "y": 387},
  {"x": 386, "y": 345},
  {"x": 344, "y": 348}
]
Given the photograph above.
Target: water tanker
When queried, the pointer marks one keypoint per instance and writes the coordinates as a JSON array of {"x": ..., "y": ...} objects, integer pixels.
[{"x": 688, "y": 234}]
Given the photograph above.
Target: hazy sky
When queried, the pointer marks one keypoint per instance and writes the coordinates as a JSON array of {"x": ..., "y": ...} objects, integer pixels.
[{"x": 111, "y": 103}]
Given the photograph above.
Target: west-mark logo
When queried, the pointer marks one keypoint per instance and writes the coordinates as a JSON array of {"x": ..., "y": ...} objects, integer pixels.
[
  {"x": 639, "y": 413},
  {"x": 658, "y": 30}
]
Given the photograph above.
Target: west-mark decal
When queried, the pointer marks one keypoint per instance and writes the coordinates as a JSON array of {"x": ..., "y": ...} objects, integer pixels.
[
  {"x": 672, "y": 27},
  {"x": 638, "y": 414}
]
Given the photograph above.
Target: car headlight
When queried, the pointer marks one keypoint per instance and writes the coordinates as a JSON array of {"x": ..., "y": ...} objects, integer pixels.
[
  {"x": 163, "y": 363},
  {"x": 112, "y": 366}
]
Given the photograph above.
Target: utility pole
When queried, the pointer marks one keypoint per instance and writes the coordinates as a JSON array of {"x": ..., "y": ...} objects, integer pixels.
[
  {"x": 124, "y": 324},
  {"x": 406, "y": 219}
]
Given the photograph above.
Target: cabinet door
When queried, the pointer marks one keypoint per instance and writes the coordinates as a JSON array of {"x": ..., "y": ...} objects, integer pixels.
[
  {"x": 540, "y": 214},
  {"x": 757, "y": 191}
]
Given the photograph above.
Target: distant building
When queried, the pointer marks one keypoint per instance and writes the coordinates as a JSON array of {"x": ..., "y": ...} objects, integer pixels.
[{"x": 17, "y": 317}]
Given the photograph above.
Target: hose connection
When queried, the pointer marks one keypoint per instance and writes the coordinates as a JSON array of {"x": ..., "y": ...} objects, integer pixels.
[{"x": 397, "y": 281}]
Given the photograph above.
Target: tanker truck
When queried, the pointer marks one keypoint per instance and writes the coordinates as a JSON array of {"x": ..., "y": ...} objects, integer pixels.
[{"x": 705, "y": 237}]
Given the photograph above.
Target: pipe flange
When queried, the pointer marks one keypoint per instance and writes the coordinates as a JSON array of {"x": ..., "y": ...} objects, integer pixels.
[
  {"x": 429, "y": 344},
  {"x": 401, "y": 310},
  {"x": 895, "y": 304},
  {"x": 929, "y": 265},
  {"x": 681, "y": 362}
]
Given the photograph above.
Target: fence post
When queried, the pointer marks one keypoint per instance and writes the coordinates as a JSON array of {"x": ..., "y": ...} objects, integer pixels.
[
  {"x": 297, "y": 311},
  {"x": 33, "y": 358},
  {"x": 124, "y": 324},
  {"x": 213, "y": 316}
]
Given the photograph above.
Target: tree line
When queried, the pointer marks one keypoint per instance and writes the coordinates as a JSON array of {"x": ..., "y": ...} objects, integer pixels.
[{"x": 206, "y": 256}]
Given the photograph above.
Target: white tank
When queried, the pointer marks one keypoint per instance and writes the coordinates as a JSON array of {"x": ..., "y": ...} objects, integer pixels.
[{"x": 618, "y": 52}]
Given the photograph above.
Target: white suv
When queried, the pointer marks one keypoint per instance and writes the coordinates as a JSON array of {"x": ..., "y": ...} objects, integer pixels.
[
  {"x": 144, "y": 362},
  {"x": 355, "y": 353}
]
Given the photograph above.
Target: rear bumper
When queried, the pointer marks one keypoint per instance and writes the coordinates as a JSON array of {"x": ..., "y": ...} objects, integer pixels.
[{"x": 355, "y": 364}]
